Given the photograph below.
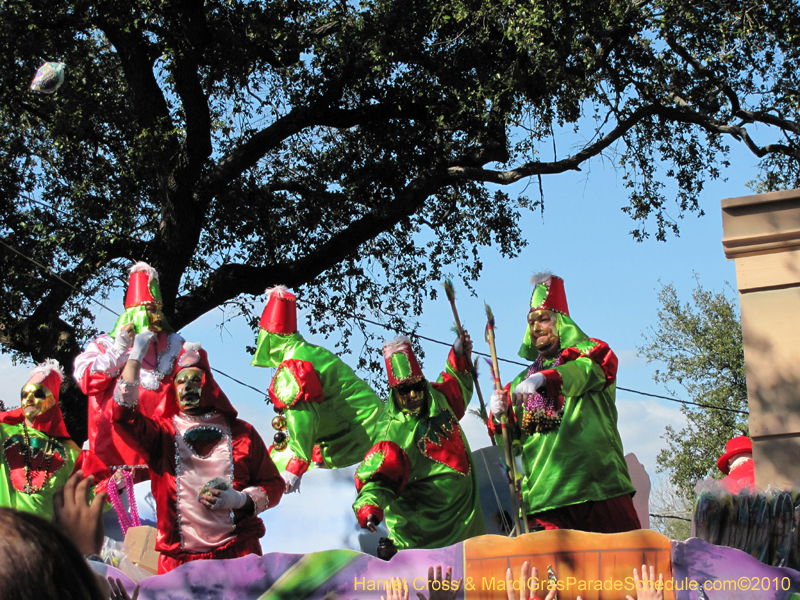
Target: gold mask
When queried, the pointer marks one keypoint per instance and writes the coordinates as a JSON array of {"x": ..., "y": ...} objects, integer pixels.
[
  {"x": 36, "y": 400},
  {"x": 188, "y": 387},
  {"x": 544, "y": 331},
  {"x": 411, "y": 397},
  {"x": 155, "y": 315}
]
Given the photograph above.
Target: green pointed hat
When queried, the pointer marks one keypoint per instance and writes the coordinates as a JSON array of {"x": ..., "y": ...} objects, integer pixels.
[{"x": 548, "y": 294}]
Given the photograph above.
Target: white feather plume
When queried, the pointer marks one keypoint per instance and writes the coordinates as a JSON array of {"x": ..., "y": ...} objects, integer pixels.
[
  {"x": 541, "y": 277},
  {"x": 279, "y": 291},
  {"x": 395, "y": 345},
  {"x": 144, "y": 267},
  {"x": 47, "y": 367}
]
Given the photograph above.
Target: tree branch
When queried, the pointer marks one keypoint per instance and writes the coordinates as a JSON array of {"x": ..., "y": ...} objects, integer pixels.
[
  {"x": 135, "y": 55},
  {"x": 230, "y": 280},
  {"x": 547, "y": 168}
]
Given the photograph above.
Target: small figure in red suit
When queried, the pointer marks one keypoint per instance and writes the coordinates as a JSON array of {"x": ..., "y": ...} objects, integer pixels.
[{"x": 737, "y": 463}]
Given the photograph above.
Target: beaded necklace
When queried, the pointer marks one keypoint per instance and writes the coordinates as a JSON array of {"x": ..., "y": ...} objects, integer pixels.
[
  {"x": 49, "y": 451},
  {"x": 541, "y": 413},
  {"x": 125, "y": 521}
]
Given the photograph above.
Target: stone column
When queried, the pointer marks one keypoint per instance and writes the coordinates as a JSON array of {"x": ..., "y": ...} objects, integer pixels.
[{"x": 761, "y": 233}]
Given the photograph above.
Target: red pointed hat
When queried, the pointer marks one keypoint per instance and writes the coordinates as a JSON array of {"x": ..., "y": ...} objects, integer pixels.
[
  {"x": 401, "y": 363},
  {"x": 548, "y": 293},
  {"x": 193, "y": 355},
  {"x": 142, "y": 286},
  {"x": 738, "y": 445},
  {"x": 280, "y": 313},
  {"x": 49, "y": 374}
]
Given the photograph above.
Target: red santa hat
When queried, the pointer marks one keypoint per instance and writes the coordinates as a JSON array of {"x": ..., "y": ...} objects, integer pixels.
[
  {"x": 280, "y": 313},
  {"x": 142, "y": 286},
  {"x": 738, "y": 445},
  {"x": 548, "y": 293},
  {"x": 401, "y": 362},
  {"x": 48, "y": 374},
  {"x": 193, "y": 355}
]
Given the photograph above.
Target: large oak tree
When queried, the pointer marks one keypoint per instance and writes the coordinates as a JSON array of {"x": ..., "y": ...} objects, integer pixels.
[{"x": 344, "y": 149}]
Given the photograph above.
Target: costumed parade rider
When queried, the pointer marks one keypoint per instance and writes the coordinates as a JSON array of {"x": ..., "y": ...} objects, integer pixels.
[
  {"x": 327, "y": 415},
  {"x": 737, "y": 465},
  {"x": 211, "y": 473},
  {"x": 99, "y": 367},
  {"x": 564, "y": 419},
  {"x": 419, "y": 477},
  {"x": 38, "y": 454}
]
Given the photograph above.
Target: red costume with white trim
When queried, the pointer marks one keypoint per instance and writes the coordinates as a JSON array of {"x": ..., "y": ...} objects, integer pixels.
[
  {"x": 185, "y": 452},
  {"x": 98, "y": 368}
]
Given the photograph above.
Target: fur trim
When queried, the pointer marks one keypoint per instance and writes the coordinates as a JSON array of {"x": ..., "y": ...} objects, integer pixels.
[
  {"x": 47, "y": 367},
  {"x": 279, "y": 291},
  {"x": 143, "y": 266},
  {"x": 389, "y": 348},
  {"x": 541, "y": 277},
  {"x": 192, "y": 346}
]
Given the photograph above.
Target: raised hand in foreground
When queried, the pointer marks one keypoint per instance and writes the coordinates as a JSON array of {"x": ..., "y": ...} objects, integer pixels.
[
  {"x": 440, "y": 589},
  {"x": 118, "y": 591},
  {"x": 81, "y": 522},
  {"x": 526, "y": 592},
  {"x": 398, "y": 591},
  {"x": 649, "y": 588}
]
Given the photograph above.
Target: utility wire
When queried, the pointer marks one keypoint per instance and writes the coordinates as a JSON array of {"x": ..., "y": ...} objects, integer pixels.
[
  {"x": 521, "y": 364},
  {"x": 376, "y": 323}
]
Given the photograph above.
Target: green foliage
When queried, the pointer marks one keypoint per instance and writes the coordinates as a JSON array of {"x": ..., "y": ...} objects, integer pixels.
[
  {"x": 345, "y": 149},
  {"x": 700, "y": 346}
]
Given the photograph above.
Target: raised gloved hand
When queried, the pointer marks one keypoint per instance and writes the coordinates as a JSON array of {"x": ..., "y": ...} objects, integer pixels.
[
  {"x": 528, "y": 386},
  {"x": 463, "y": 345},
  {"x": 292, "y": 482},
  {"x": 223, "y": 499},
  {"x": 498, "y": 404},
  {"x": 124, "y": 339},
  {"x": 140, "y": 345}
]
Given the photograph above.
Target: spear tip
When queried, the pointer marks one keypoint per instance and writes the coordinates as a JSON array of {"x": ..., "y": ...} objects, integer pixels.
[
  {"x": 449, "y": 290},
  {"x": 489, "y": 315}
]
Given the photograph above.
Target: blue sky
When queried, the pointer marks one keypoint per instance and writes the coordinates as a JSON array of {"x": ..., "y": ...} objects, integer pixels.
[{"x": 611, "y": 284}]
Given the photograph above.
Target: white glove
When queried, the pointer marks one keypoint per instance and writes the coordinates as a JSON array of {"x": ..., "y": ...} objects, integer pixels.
[
  {"x": 123, "y": 341},
  {"x": 498, "y": 403},
  {"x": 140, "y": 345},
  {"x": 292, "y": 482},
  {"x": 528, "y": 386},
  {"x": 229, "y": 499}
]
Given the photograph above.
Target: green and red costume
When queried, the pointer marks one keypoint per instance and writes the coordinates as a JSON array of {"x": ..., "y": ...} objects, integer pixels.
[
  {"x": 37, "y": 460},
  {"x": 420, "y": 477},
  {"x": 331, "y": 414},
  {"x": 574, "y": 467}
]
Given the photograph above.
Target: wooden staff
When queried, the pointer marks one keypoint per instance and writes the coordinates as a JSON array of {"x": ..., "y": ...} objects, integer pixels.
[
  {"x": 451, "y": 296},
  {"x": 510, "y": 463}
]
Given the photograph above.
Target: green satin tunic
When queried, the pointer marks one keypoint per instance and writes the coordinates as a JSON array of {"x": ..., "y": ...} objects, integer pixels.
[
  {"x": 328, "y": 405},
  {"x": 438, "y": 506},
  {"x": 52, "y": 461}
]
